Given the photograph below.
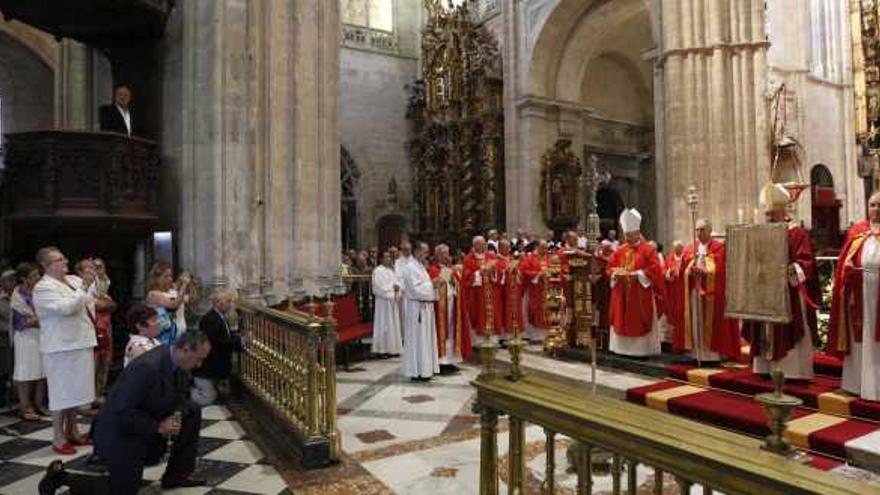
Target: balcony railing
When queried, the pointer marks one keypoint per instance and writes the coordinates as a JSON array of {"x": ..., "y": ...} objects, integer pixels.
[
  {"x": 288, "y": 363},
  {"x": 634, "y": 436},
  {"x": 69, "y": 176}
]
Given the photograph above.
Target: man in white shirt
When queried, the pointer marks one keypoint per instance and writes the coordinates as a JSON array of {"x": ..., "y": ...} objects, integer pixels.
[{"x": 117, "y": 117}]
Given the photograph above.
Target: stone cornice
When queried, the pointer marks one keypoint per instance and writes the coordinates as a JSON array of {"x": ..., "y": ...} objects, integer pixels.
[{"x": 706, "y": 50}]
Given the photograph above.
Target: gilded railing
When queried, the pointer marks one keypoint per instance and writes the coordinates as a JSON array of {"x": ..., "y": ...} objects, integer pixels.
[
  {"x": 690, "y": 453},
  {"x": 289, "y": 362}
]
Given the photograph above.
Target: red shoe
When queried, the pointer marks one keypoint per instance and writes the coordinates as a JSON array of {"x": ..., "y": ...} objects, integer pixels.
[{"x": 64, "y": 449}]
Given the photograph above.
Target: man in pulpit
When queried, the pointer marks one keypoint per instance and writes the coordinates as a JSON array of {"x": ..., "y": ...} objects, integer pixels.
[
  {"x": 853, "y": 331},
  {"x": 700, "y": 327},
  {"x": 788, "y": 347},
  {"x": 452, "y": 346},
  {"x": 478, "y": 267},
  {"x": 635, "y": 272}
]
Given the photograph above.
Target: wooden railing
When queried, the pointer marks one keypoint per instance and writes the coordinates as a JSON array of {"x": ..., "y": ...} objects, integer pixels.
[
  {"x": 693, "y": 454},
  {"x": 289, "y": 363}
]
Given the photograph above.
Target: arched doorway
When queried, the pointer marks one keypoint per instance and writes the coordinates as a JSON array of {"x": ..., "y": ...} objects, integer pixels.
[
  {"x": 350, "y": 176},
  {"x": 391, "y": 229},
  {"x": 826, "y": 210},
  {"x": 610, "y": 205}
]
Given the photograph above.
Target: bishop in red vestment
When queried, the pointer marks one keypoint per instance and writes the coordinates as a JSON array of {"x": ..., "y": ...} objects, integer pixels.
[
  {"x": 478, "y": 267},
  {"x": 791, "y": 349},
  {"x": 635, "y": 271},
  {"x": 700, "y": 326},
  {"x": 854, "y": 332}
]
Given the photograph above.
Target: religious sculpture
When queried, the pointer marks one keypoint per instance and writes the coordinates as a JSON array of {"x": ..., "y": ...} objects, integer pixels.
[
  {"x": 458, "y": 123},
  {"x": 560, "y": 172}
]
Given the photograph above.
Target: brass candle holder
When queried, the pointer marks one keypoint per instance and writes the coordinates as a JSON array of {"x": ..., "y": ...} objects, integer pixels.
[
  {"x": 778, "y": 407},
  {"x": 554, "y": 307},
  {"x": 515, "y": 347}
]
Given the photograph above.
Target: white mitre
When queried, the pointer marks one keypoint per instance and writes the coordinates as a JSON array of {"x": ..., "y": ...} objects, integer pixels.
[
  {"x": 630, "y": 220},
  {"x": 774, "y": 196}
]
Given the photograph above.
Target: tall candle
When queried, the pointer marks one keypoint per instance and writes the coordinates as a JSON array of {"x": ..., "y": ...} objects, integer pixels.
[{"x": 739, "y": 216}]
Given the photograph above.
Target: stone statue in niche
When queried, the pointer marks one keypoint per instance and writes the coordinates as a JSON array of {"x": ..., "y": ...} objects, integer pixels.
[{"x": 560, "y": 171}]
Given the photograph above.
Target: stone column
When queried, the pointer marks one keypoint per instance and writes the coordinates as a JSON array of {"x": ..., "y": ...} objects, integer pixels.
[
  {"x": 715, "y": 113},
  {"x": 253, "y": 148},
  {"x": 74, "y": 105}
]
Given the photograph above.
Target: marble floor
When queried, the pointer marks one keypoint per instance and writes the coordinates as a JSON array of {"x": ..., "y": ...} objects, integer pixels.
[{"x": 228, "y": 459}]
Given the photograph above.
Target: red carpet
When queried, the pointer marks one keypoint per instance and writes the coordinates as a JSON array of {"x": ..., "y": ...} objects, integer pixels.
[
  {"x": 820, "y": 432},
  {"x": 819, "y": 393}
]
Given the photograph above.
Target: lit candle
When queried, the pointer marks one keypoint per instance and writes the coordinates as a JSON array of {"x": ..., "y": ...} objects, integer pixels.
[
  {"x": 755, "y": 215},
  {"x": 739, "y": 216}
]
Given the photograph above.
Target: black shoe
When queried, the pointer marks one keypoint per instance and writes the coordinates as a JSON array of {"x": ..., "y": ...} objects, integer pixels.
[
  {"x": 449, "y": 369},
  {"x": 53, "y": 479},
  {"x": 188, "y": 482}
]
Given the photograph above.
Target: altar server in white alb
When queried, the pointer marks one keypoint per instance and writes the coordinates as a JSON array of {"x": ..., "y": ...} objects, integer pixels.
[
  {"x": 386, "y": 317},
  {"x": 67, "y": 340},
  {"x": 420, "y": 334}
]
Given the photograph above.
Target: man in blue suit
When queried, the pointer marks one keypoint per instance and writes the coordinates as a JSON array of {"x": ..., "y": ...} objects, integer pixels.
[{"x": 140, "y": 413}]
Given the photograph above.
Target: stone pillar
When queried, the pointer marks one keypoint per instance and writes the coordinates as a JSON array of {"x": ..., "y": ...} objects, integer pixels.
[
  {"x": 74, "y": 105},
  {"x": 715, "y": 126},
  {"x": 253, "y": 148}
]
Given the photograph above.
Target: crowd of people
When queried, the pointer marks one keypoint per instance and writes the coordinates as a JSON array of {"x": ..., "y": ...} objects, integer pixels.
[
  {"x": 61, "y": 329},
  {"x": 432, "y": 306}
]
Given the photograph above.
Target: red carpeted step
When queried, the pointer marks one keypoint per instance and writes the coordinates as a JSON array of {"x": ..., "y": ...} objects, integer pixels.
[
  {"x": 869, "y": 409},
  {"x": 823, "y": 433},
  {"x": 825, "y": 364},
  {"x": 725, "y": 410},
  {"x": 637, "y": 394},
  {"x": 824, "y": 463}
]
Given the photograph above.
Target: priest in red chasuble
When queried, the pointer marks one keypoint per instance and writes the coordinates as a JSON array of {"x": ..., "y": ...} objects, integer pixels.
[
  {"x": 508, "y": 292},
  {"x": 477, "y": 269},
  {"x": 635, "y": 273},
  {"x": 453, "y": 346},
  {"x": 853, "y": 332},
  {"x": 700, "y": 326},
  {"x": 791, "y": 344},
  {"x": 534, "y": 272},
  {"x": 674, "y": 287}
]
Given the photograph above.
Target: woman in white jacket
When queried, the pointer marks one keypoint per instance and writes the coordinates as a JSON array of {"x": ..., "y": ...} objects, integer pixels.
[{"x": 67, "y": 339}]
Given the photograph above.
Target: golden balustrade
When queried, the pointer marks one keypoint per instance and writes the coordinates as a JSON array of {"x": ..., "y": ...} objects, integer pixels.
[
  {"x": 289, "y": 364},
  {"x": 632, "y": 436}
]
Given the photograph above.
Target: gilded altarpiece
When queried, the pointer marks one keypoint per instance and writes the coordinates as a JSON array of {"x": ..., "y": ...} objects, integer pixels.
[{"x": 458, "y": 126}]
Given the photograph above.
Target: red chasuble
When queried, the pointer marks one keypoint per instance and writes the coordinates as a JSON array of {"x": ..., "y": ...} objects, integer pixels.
[
  {"x": 441, "y": 312},
  {"x": 631, "y": 312},
  {"x": 531, "y": 267},
  {"x": 785, "y": 337},
  {"x": 479, "y": 300},
  {"x": 721, "y": 334},
  {"x": 674, "y": 294},
  {"x": 846, "y": 300},
  {"x": 508, "y": 295}
]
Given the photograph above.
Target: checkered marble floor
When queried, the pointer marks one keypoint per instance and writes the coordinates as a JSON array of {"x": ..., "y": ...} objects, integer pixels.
[{"x": 230, "y": 462}]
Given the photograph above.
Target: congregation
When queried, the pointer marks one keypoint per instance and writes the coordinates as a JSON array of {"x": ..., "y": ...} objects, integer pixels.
[{"x": 61, "y": 329}]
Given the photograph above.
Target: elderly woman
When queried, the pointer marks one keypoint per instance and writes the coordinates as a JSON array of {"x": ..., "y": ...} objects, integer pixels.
[
  {"x": 853, "y": 326},
  {"x": 67, "y": 340},
  {"x": 143, "y": 323},
  {"x": 28, "y": 374}
]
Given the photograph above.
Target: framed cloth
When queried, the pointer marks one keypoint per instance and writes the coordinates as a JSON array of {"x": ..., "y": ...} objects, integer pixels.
[{"x": 756, "y": 265}]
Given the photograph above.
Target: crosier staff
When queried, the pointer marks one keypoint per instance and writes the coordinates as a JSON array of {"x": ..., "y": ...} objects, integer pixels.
[{"x": 693, "y": 202}]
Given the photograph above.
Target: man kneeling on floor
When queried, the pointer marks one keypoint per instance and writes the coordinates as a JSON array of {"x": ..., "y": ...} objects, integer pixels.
[{"x": 147, "y": 405}]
